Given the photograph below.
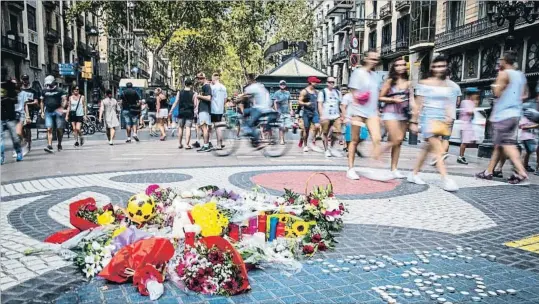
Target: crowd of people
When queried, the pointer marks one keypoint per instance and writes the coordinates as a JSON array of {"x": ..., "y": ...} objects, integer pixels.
[{"x": 368, "y": 107}]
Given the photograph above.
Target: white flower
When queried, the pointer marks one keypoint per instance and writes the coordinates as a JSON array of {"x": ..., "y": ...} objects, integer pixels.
[
  {"x": 280, "y": 248},
  {"x": 89, "y": 270},
  {"x": 332, "y": 204},
  {"x": 110, "y": 247},
  {"x": 95, "y": 245},
  {"x": 330, "y": 218},
  {"x": 89, "y": 259}
]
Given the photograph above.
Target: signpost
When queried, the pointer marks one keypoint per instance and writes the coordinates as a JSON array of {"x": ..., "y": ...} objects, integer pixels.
[
  {"x": 86, "y": 74},
  {"x": 66, "y": 69}
]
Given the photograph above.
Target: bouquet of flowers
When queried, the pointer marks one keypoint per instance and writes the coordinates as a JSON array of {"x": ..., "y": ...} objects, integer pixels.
[
  {"x": 317, "y": 240},
  {"x": 322, "y": 206},
  {"x": 163, "y": 197},
  {"x": 280, "y": 253},
  {"x": 212, "y": 221},
  {"x": 107, "y": 215},
  {"x": 94, "y": 254},
  {"x": 209, "y": 270}
]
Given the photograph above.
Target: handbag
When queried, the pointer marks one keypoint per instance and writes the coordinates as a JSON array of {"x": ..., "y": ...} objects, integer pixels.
[
  {"x": 440, "y": 128},
  {"x": 74, "y": 112}
]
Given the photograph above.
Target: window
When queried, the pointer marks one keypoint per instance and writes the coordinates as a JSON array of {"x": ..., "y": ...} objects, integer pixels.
[
  {"x": 33, "y": 55},
  {"x": 31, "y": 16},
  {"x": 454, "y": 14},
  {"x": 14, "y": 23},
  {"x": 482, "y": 9},
  {"x": 386, "y": 34},
  {"x": 403, "y": 28},
  {"x": 372, "y": 41},
  {"x": 59, "y": 52}
]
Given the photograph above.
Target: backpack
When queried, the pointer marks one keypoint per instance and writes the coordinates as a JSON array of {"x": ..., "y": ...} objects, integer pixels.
[{"x": 324, "y": 93}]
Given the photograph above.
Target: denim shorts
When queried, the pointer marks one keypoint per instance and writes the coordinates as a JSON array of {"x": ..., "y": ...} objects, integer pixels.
[
  {"x": 55, "y": 118},
  {"x": 131, "y": 119},
  {"x": 308, "y": 120},
  {"x": 530, "y": 145}
]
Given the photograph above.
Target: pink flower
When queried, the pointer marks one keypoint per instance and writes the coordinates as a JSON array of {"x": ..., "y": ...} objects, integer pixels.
[
  {"x": 108, "y": 207},
  {"x": 316, "y": 238},
  {"x": 314, "y": 202},
  {"x": 322, "y": 246},
  {"x": 308, "y": 249},
  {"x": 90, "y": 208},
  {"x": 209, "y": 288},
  {"x": 180, "y": 269},
  {"x": 151, "y": 189},
  {"x": 231, "y": 286}
]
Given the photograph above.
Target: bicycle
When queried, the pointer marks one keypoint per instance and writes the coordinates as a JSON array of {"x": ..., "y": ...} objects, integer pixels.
[{"x": 268, "y": 144}]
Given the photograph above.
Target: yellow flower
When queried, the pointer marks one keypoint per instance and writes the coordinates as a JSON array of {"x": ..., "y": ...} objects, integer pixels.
[
  {"x": 118, "y": 231},
  {"x": 211, "y": 221},
  {"x": 300, "y": 228},
  {"x": 105, "y": 218}
]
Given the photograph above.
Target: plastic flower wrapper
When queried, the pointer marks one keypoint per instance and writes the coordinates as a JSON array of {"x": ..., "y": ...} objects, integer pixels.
[
  {"x": 129, "y": 236},
  {"x": 151, "y": 189}
]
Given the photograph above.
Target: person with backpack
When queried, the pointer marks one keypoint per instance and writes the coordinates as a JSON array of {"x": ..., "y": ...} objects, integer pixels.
[
  {"x": 185, "y": 103},
  {"x": 331, "y": 116},
  {"x": 282, "y": 104}
]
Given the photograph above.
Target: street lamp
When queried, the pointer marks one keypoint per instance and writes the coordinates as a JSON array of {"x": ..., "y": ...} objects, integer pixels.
[
  {"x": 92, "y": 36},
  {"x": 500, "y": 11}
]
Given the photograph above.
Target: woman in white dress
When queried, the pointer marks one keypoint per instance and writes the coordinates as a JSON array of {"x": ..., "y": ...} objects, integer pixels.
[
  {"x": 162, "y": 112},
  {"x": 110, "y": 109}
]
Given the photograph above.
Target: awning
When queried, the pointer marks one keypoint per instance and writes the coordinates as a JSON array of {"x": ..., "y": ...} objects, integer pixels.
[{"x": 137, "y": 83}]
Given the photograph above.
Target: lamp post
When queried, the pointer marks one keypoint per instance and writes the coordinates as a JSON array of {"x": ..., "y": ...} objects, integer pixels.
[
  {"x": 92, "y": 35},
  {"x": 499, "y": 12}
]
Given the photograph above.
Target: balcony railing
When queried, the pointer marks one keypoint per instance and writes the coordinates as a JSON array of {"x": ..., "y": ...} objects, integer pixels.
[
  {"x": 342, "y": 26},
  {"x": 372, "y": 19},
  {"x": 395, "y": 48},
  {"x": 339, "y": 57},
  {"x": 471, "y": 31},
  {"x": 340, "y": 7},
  {"x": 422, "y": 35},
  {"x": 144, "y": 74},
  {"x": 50, "y": 4},
  {"x": 52, "y": 35},
  {"x": 385, "y": 10},
  {"x": 14, "y": 47},
  {"x": 68, "y": 43},
  {"x": 402, "y": 5}
]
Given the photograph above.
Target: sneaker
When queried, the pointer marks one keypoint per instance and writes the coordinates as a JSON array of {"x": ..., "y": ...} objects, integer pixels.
[
  {"x": 497, "y": 174},
  {"x": 19, "y": 156},
  {"x": 204, "y": 149},
  {"x": 396, "y": 174},
  {"x": 25, "y": 151},
  {"x": 529, "y": 169},
  {"x": 60, "y": 148},
  {"x": 196, "y": 145},
  {"x": 81, "y": 141},
  {"x": 48, "y": 149},
  {"x": 128, "y": 140},
  {"x": 336, "y": 153},
  {"x": 377, "y": 176},
  {"x": 484, "y": 175},
  {"x": 449, "y": 185},
  {"x": 135, "y": 137},
  {"x": 111, "y": 143},
  {"x": 352, "y": 174},
  {"x": 316, "y": 149},
  {"x": 328, "y": 153},
  {"x": 462, "y": 160},
  {"x": 305, "y": 149},
  {"x": 210, "y": 145},
  {"x": 14, "y": 155},
  {"x": 76, "y": 144},
  {"x": 414, "y": 178},
  {"x": 519, "y": 180}
]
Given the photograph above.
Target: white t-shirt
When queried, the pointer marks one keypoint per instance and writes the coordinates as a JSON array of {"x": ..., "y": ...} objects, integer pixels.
[
  {"x": 330, "y": 104},
  {"x": 364, "y": 81},
  {"x": 259, "y": 95},
  {"x": 456, "y": 94},
  {"x": 218, "y": 98}
]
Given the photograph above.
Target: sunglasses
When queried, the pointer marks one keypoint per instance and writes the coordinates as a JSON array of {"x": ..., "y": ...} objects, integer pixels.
[
  {"x": 439, "y": 66},
  {"x": 332, "y": 82}
]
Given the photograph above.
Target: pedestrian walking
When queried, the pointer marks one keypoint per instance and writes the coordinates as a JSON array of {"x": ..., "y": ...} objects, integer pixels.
[
  {"x": 161, "y": 103},
  {"x": 218, "y": 98},
  {"x": 434, "y": 103},
  {"x": 204, "y": 109},
  {"x": 396, "y": 96},
  {"x": 27, "y": 103},
  {"x": 9, "y": 116},
  {"x": 110, "y": 109},
  {"x": 77, "y": 114},
  {"x": 510, "y": 89},
  {"x": 467, "y": 134},
  {"x": 143, "y": 113},
  {"x": 308, "y": 99},
  {"x": 331, "y": 116},
  {"x": 53, "y": 100},
  {"x": 527, "y": 137},
  {"x": 283, "y": 105},
  {"x": 185, "y": 103},
  {"x": 363, "y": 110},
  {"x": 131, "y": 111}
]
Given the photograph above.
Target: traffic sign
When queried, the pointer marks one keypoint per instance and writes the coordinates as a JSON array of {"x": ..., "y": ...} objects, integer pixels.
[
  {"x": 66, "y": 69},
  {"x": 86, "y": 75}
]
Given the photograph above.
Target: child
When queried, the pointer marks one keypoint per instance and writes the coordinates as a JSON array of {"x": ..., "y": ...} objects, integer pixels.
[
  {"x": 467, "y": 135},
  {"x": 527, "y": 137},
  {"x": 347, "y": 99}
]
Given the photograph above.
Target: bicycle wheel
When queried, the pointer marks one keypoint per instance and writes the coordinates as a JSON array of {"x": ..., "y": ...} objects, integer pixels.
[
  {"x": 91, "y": 128},
  {"x": 273, "y": 147},
  {"x": 230, "y": 143}
]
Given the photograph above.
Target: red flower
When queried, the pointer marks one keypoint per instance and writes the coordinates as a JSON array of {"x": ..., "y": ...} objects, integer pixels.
[
  {"x": 341, "y": 207},
  {"x": 316, "y": 238},
  {"x": 308, "y": 249},
  {"x": 292, "y": 213},
  {"x": 231, "y": 286},
  {"x": 90, "y": 208},
  {"x": 331, "y": 194},
  {"x": 314, "y": 202},
  {"x": 108, "y": 207},
  {"x": 291, "y": 200},
  {"x": 119, "y": 216},
  {"x": 322, "y": 246},
  {"x": 216, "y": 257}
]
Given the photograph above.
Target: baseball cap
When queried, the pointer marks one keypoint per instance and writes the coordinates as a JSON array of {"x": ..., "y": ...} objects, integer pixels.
[
  {"x": 313, "y": 79},
  {"x": 282, "y": 82}
]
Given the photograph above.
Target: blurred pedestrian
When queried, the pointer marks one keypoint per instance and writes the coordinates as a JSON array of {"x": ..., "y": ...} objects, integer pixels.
[
  {"x": 76, "y": 114},
  {"x": 110, "y": 109}
]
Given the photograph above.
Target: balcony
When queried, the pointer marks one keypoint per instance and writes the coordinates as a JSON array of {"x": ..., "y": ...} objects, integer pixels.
[
  {"x": 385, "y": 10},
  {"x": 341, "y": 7},
  {"x": 51, "y": 35},
  {"x": 16, "y": 6},
  {"x": 402, "y": 5},
  {"x": 395, "y": 49},
  {"x": 422, "y": 38},
  {"x": 471, "y": 31},
  {"x": 68, "y": 43},
  {"x": 52, "y": 69},
  {"x": 343, "y": 26},
  {"x": 331, "y": 39},
  {"x": 372, "y": 19},
  {"x": 50, "y": 4},
  {"x": 14, "y": 47},
  {"x": 144, "y": 74},
  {"x": 340, "y": 57}
]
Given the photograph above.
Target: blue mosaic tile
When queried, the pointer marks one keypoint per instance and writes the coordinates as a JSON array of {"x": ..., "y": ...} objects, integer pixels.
[
  {"x": 191, "y": 299},
  {"x": 292, "y": 300},
  {"x": 301, "y": 289},
  {"x": 282, "y": 292},
  {"x": 113, "y": 294},
  {"x": 241, "y": 299},
  {"x": 168, "y": 300},
  {"x": 261, "y": 295},
  {"x": 219, "y": 301}
]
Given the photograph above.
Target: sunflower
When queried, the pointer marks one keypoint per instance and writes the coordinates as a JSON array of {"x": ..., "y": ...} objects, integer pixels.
[
  {"x": 289, "y": 233},
  {"x": 300, "y": 228},
  {"x": 283, "y": 218}
]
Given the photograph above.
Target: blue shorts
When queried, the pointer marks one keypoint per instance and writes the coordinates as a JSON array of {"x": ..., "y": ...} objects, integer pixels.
[
  {"x": 308, "y": 120},
  {"x": 130, "y": 118},
  {"x": 530, "y": 145},
  {"x": 55, "y": 118}
]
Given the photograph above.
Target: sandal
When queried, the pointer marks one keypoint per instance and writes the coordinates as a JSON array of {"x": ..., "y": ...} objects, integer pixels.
[
  {"x": 518, "y": 180},
  {"x": 180, "y": 147},
  {"x": 188, "y": 147}
]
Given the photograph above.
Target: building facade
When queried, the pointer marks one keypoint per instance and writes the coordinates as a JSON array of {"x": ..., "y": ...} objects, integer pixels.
[{"x": 474, "y": 45}]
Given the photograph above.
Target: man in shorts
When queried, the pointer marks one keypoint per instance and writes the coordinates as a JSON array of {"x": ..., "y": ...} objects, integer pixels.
[
  {"x": 52, "y": 100},
  {"x": 282, "y": 104},
  {"x": 510, "y": 88},
  {"x": 185, "y": 103},
  {"x": 218, "y": 98},
  {"x": 331, "y": 115},
  {"x": 204, "y": 108},
  {"x": 308, "y": 99},
  {"x": 27, "y": 101},
  {"x": 8, "y": 102},
  {"x": 130, "y": 111}
]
